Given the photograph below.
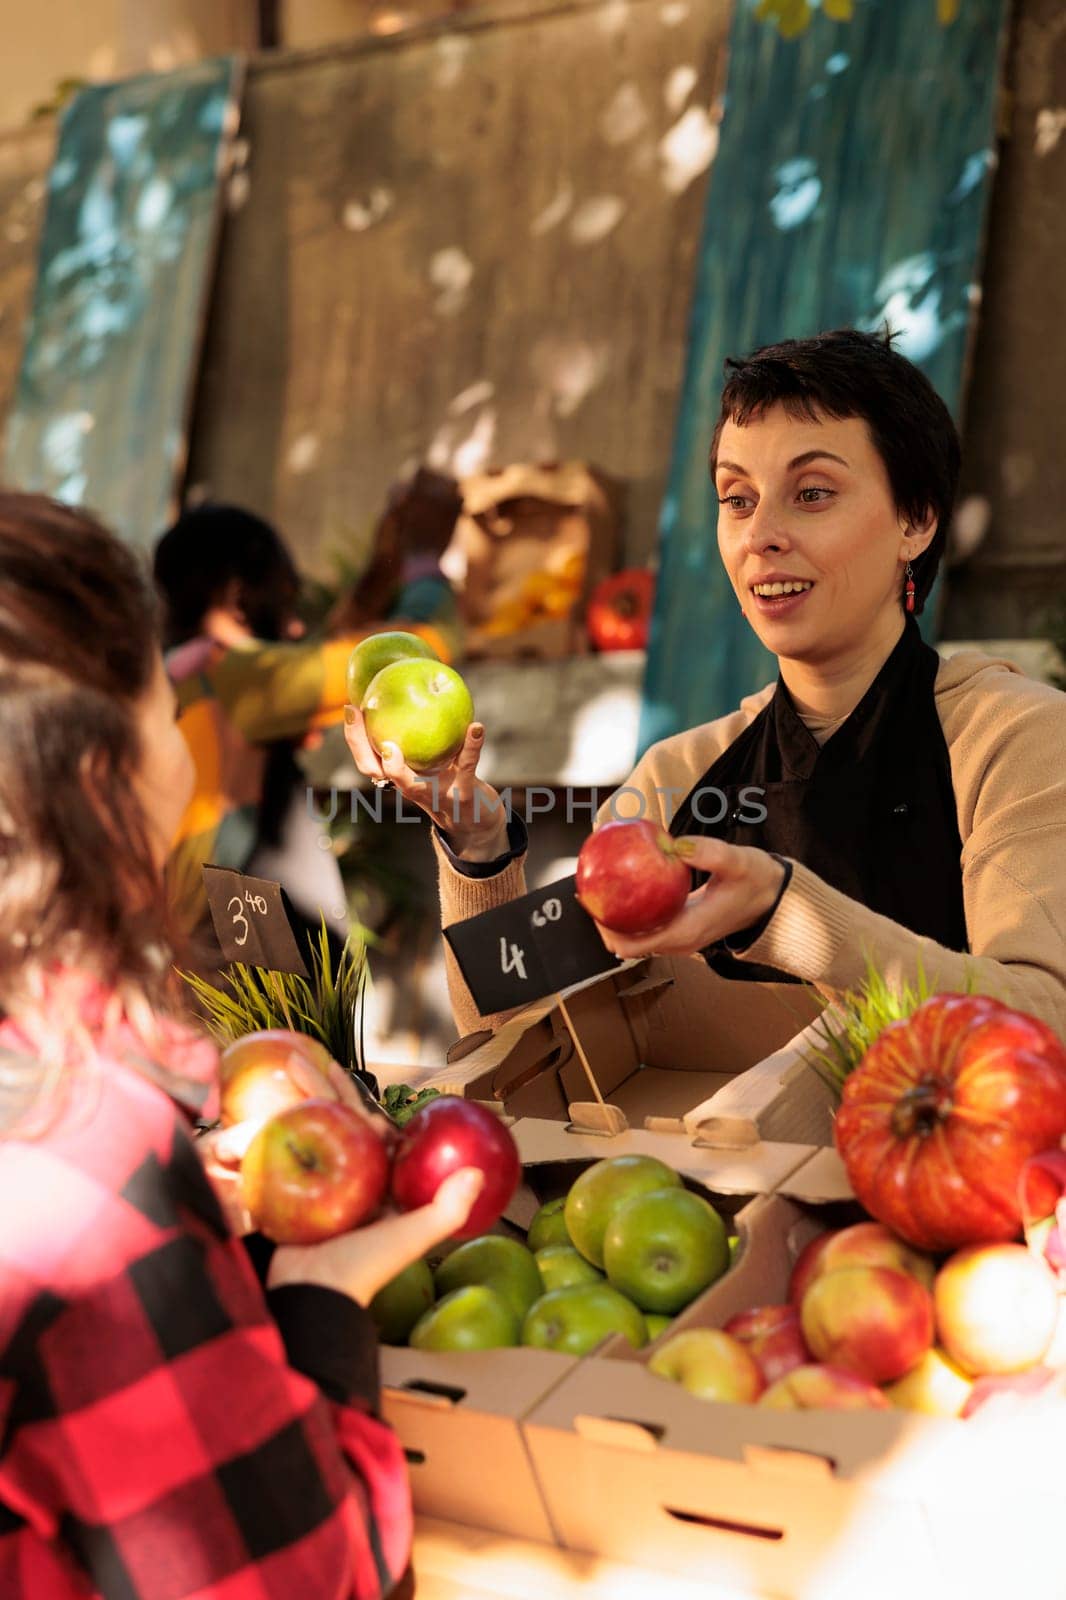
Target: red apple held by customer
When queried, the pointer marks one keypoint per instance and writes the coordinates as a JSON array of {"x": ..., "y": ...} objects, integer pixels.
[
  {"x": 822, "y": 1388},
  {"x": 446, "y": 1135},
  {"x": 873, "y": 1321},
  {"x": 313, "y": 1171},
  {"x": 254, "y": 1079},
  {"x": 773, "y": 1337},
  {"x": 996, "y": 1308},
  {"x": 865, "y": 1244},
  {"x": 633, "y": 877},
  {"x": 709, "y": 1363}
]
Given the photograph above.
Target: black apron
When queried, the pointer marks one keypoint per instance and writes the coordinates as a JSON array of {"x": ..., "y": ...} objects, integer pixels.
[{"x": 872, "y": 811}]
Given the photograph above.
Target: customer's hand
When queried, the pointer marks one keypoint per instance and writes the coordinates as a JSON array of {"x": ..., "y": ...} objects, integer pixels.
[
  {"x": 222, "y": 1150},
  {"x": 465, "y": 808},
  {"x": 743, "y": 885},
  {"x": 360, "y": 1263}
]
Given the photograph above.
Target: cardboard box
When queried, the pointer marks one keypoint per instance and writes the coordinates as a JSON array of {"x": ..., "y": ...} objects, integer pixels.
[
  {"x": 823, "y": 1505},
  {"x": 672, "y": 1047},
  {"x": 459, "y": 1415}
]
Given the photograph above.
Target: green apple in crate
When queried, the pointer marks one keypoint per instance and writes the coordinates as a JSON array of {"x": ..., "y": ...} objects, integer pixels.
[
  {"x": 397, "y": 1307},
  {"x": 560, "y": 1266},
  {"x": 600, "y": 1190},
  {"x": 471, "y": 1318},
  {"x": 501, "y": 1264},
  {"x": 549, "y": 1226},
  {"x": 577, "y": 1319},
  {"x": 664, "y": 1248}
]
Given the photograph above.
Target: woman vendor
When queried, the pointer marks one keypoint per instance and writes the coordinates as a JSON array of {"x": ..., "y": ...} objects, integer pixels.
[{"x": 912, "y": 809}]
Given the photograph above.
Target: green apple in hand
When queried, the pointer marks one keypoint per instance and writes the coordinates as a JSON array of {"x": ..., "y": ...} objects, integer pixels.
[
  {"x": 473, "y": 1318},
  {"x": 663, "y": 1249},
  {"x": 561, "y": 1265},
  {"x": 577, "y": 1319},
  {"x": 548, "y": 1226},
  {"x": 499, "y": 1263},
  {"x": 397, "y": 1307},
  {"x": 381, "y": 650},
  {"x": 421, "y": 706},
  {"x": 597, "y": 1194},
  {"x": 710, "y": 1364}
]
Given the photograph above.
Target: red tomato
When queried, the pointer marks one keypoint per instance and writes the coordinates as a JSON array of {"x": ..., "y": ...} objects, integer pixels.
[{"x": 619, "y": 610}]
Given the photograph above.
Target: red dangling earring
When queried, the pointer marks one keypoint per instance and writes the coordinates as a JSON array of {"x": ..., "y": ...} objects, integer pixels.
[{"x": 909, "y": 603}]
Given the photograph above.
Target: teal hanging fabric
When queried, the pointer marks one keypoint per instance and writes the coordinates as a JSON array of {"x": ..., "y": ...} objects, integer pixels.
[
  {"x": 123, "y": 279},
  {"x": 850, "y": 189}
]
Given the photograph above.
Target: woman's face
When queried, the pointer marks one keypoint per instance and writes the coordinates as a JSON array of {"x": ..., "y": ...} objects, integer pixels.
[
  {"x": 164, "y": 780},
  {"x": 811, "y": 502}
]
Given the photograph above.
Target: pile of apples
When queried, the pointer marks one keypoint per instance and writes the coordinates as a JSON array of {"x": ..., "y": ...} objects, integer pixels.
[
  {"x": 623, "y": 1252},
  {"x": 871, "y": 1322},
  {"x": 316, "y": 1167}
]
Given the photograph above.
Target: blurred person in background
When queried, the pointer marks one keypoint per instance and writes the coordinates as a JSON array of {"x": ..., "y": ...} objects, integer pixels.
[
  {"x": 183, "y": 1416},
  {"x": 251, "y": 688}
]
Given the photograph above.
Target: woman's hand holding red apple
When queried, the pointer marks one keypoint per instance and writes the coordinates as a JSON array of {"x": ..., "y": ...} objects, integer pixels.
[
  {"x": 360, "y": 1263},
  {"x": 743, "y": 885},
  {"x": 464, "y": 807}
]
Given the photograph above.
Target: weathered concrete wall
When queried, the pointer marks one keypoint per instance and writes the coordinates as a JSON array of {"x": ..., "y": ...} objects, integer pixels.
[
  {"x": 468, "y": 245},
  {"x": 334, "y": 358},
  {"x": 1014, "y": 476}
]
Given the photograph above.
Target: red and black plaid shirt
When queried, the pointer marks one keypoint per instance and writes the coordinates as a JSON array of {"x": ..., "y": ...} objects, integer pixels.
[{"x": 166, "y": 1431}]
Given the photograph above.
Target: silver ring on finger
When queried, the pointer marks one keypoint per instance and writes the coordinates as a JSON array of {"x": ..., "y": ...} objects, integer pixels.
[{"x": 382, "y": 783}]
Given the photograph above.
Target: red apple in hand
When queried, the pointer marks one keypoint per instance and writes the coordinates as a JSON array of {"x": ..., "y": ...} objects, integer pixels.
[
  {"x": 313, "y": 1171},
  {"x": 446, "y": 1134},
  {"x": 773, "y": 1337},
  {"x": 872, "y": 1321},
  {"x": 254, "y": 1077},
  {"x": 632, "y": 877}
]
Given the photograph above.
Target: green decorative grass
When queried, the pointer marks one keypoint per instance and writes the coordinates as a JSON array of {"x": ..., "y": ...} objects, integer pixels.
[
  {"x": 330, "y": 1007},
  {"x": 860, "y": 1016}
]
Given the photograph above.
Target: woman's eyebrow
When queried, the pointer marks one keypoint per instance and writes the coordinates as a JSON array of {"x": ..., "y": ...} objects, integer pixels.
[{"x": 797, "y": 461}]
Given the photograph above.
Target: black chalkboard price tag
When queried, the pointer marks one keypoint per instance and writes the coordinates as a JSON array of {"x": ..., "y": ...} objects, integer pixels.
[
  {"x": 529, "y": 948},
  {"x": 251, "y": 922}
]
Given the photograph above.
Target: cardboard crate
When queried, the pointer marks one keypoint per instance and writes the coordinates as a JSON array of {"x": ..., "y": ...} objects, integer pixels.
[
  {"x": 824, "y": 1505},
  {"x": 459, "y": 1414},
  {"x": 673, "y": 1048}
]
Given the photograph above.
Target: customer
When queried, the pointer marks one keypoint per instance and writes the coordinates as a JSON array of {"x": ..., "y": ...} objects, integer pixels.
[
  {"x": 170, "y": 1430},
  {"x": 251, "y": 690}
]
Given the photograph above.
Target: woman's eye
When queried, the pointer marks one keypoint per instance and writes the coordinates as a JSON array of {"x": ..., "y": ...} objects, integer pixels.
[
  {"x": 811, "y": 496},
  {"x": 736, "y": 502}
]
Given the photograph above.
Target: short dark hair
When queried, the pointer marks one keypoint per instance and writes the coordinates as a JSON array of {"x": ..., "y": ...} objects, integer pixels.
[
  {"x": 209, "y": 547},
  {"x": 845, "y": 373}
]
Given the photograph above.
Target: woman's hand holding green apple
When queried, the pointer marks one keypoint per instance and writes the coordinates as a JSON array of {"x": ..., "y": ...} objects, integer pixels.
[{"x": 465, "y": 808}]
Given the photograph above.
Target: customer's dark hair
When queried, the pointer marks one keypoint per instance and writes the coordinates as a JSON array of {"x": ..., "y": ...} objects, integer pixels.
[
  {"x": 846, "y": 373},
  {"x": 207, "y": 549}
]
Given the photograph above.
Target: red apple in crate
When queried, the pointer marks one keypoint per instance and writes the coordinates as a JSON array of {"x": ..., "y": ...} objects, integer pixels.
[
  {"x": 866, "y": 1244},
  {"x": 445, "y": 1135},
  {"x": 941, "y": 1115},
  {"x": 632, "y": 877},
  {"x": 710, "y": 1363},
  {"x": 872, "y": 1321},
  {"x": 773, "y": 1337},
  {"x": 254, "y": 1077},
  {"x": 996, "y": 1308},
  {"x": 936, "y": 1387},
  {"x": 313, "y": 1171},
  {"x": 822, "y": 1388}
]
